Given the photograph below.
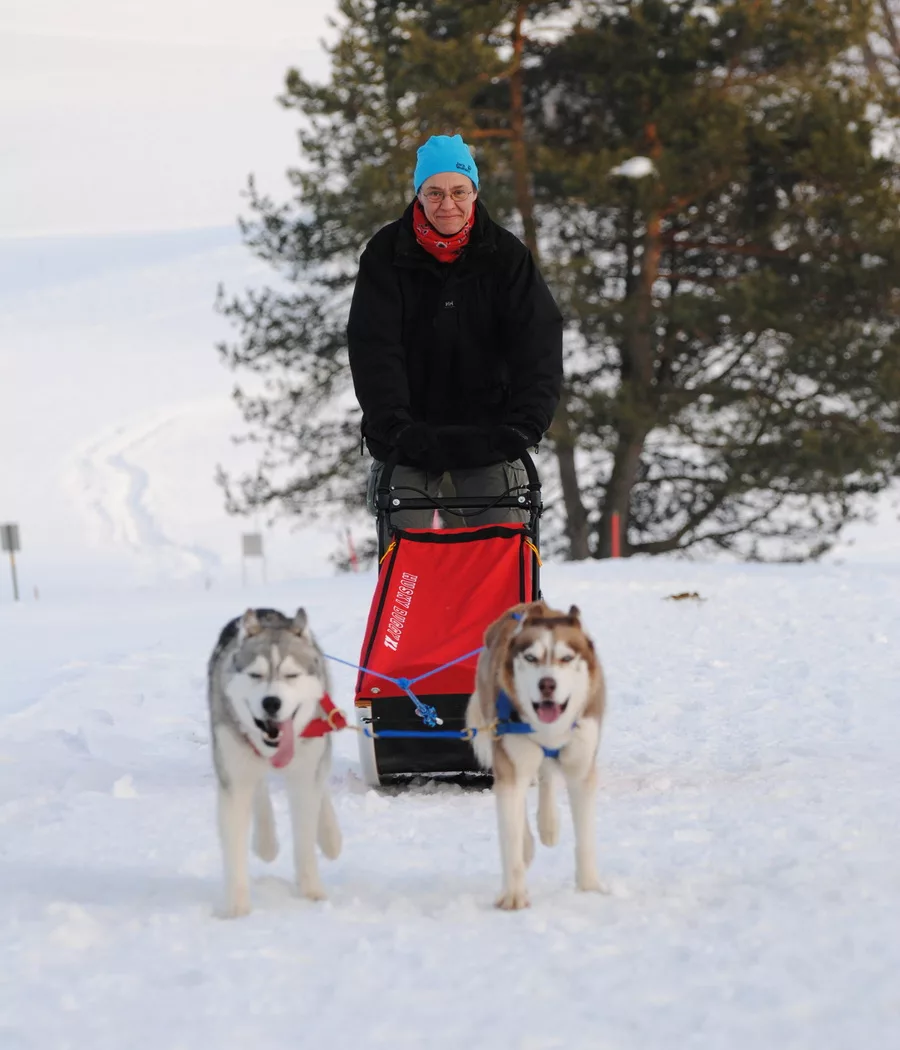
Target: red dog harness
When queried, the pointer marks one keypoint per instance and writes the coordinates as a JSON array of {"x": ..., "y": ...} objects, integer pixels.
[{"x": 334, "y": 719}]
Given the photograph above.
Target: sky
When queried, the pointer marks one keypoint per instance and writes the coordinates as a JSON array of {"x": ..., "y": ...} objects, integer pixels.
[{"x": 125, "y": 117}]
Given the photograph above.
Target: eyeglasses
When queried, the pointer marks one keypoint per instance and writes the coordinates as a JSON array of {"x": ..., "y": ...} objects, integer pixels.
[{"x": 437, "y": 196}]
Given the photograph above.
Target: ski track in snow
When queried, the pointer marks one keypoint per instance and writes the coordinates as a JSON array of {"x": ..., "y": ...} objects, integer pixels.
[
  {"x": 747, "y": 824},
  {"x": 111, "y": 490}
]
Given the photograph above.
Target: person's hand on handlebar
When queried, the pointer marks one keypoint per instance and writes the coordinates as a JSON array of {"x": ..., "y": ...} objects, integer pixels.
[
  {"x": 509, "y": 440},
  {"x": 463, "y": 446},
  {"x": 443, "y": 448},
  {"x": 416, "y": 442}
]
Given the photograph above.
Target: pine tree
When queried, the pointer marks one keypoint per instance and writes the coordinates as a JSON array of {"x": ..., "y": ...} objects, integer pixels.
[
  {"x": 700, "y": 184},
  {"x": 729, "y": 243}
]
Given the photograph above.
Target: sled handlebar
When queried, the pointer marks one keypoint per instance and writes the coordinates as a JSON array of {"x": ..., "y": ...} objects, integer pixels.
[{"x": 384, "y": 501}]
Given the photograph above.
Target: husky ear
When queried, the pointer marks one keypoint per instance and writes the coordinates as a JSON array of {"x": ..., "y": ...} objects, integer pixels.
[
  {"x": 300, "y": 622},
  {"x": 528, "y": 611},
  {"x": 574, "y": 612},
  {"x": 249, "y": 624}
]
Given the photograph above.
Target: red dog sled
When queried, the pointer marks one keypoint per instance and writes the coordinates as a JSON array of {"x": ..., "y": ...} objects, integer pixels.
[{"x": 438, "y": 589}]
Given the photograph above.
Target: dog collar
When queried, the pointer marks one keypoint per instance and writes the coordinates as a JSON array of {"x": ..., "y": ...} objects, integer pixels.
[
  {"x": 334, "y": 719},
  {"x": 508, "y": 721}
]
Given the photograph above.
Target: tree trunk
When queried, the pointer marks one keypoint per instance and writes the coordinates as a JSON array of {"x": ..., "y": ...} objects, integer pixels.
[
  {"x": 618, "y": 492},
  {"x": 576, "y": 526},
  {"x": 636, "y": 415},
  {"x": 524, "y": 197}
]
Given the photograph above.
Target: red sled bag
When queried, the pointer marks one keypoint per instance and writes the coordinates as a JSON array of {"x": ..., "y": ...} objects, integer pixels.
[{"x": 437, "y": 592}]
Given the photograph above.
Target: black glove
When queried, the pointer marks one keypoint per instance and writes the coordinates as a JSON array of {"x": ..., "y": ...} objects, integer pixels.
[
  {"x": 510, "y": 441},
  {"x": 470, "y": 446},
  {"x": 419, "y": 446},
  {"x": 416, "y": 442},
  {"x": 464, "y": 446},
  {"x": 438, "y": 449}
]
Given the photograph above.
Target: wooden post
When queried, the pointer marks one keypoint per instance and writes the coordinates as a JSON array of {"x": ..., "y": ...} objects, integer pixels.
[
  {"x": 615, "y": 539},
  {"x": 9, "y": 541}
]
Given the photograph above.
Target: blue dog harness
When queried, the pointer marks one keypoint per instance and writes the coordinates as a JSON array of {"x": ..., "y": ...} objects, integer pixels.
[{"x": 508, "y": 721}]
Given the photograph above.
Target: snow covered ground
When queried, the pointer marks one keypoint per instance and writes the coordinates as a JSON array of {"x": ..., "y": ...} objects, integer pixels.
[{"x": 747, "y": 829}]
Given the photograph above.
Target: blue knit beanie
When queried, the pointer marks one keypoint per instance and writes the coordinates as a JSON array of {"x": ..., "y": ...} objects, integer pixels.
[{"x": 444, "y": 153}]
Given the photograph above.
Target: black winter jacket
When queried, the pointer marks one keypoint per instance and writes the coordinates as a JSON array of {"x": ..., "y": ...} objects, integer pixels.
[{"x": 474, "y": 342}]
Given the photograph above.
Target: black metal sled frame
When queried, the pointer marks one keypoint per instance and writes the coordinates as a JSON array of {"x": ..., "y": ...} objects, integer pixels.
[
  {"x": 399, "y": 759},
  {"x": 386, "y": 503}
]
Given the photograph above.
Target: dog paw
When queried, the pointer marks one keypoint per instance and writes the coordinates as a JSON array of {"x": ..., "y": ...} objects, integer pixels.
[
  {"x": 590, "y": 883},
  {"x": 513, "y": 900},
  {"x": 236, "y": 909},
  {"x": 313, "y": 891},
  {"x": 265, "y": 845}
]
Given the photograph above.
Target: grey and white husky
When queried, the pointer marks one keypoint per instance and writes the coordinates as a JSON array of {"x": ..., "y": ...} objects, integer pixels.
[{"x": 267, "y": 681}]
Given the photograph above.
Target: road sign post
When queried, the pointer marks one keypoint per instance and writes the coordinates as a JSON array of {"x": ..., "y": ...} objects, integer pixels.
[{"x": 9, "y": 541}]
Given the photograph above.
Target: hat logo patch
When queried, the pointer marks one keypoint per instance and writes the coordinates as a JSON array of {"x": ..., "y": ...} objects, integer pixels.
[{"x": 463, "y": 167}]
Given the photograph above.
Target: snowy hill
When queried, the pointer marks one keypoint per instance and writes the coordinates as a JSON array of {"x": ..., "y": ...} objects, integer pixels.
[
  {"x": 115, "y": 380},
  {"x": 130, "y": 131},
  {"x": 746, "y": 827}
]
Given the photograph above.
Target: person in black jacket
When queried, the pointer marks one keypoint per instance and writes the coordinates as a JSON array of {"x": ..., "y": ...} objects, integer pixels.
[{"x": 455, "y": 342}]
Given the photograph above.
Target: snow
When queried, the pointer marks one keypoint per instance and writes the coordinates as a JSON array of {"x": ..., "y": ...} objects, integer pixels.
[
  {"x": 708, "y": 14},
  {"x": 634, "y": 168},
  {"x": 109, "y": 347},
  {"x": 130, "y": 133},
  {"x": 746, "y": 825}
]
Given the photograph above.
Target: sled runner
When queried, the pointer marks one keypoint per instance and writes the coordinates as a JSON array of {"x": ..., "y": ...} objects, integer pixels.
[{"x": 437, "y": 591}]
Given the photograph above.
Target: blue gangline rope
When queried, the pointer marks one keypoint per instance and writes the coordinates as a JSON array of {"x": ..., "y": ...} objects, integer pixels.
[
  {"x": 429, "y": 715},
  {"x": 426, "y": 712}
]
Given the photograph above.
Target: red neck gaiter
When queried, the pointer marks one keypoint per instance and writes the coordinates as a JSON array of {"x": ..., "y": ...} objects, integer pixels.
[{"x": 444, "y": 249}]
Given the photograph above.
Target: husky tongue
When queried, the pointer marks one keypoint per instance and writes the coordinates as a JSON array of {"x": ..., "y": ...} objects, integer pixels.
[
  {"x": 548, "y": 711},
  {"x": 285, "y": 750}
]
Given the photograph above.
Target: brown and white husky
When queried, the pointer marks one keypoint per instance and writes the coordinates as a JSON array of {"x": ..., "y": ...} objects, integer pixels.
[{"x": 539, "y": 679}]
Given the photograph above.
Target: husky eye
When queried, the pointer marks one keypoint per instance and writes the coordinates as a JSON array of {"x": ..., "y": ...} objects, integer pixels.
[
  {"x": 567, "y": 658},
  {"x": 256, "y": 676},
  {"x": 530, "y": 658},
  {"x": 294, "y": 674}
]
